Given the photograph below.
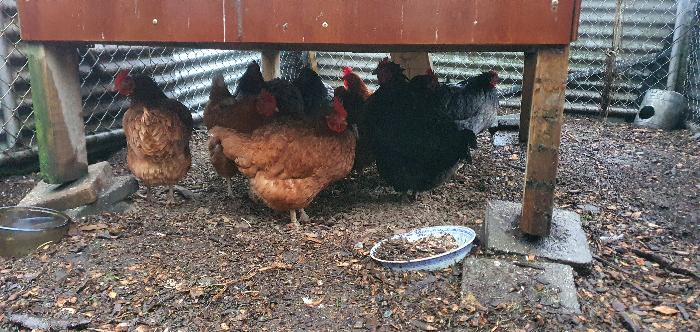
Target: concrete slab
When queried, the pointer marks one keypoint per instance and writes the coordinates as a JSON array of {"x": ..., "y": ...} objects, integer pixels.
[
  {"x": 503, "y": 138},
  {"x": 110, "y": 200},
  {"x": 566, "y": 244},
  {"x": 70, "y": 195},
  {"x": 544, "y": 286},
  {"x": 509, "y": 121}
]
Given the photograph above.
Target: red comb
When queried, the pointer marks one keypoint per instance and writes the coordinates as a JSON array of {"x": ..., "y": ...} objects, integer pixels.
[
  {"x": 347, "y": 70},
  {"x": 121, "y": 75}
]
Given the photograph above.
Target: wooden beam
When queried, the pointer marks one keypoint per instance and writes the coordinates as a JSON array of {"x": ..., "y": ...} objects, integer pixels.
[
  {"x": 528, "y": 91},
  {"x": 270, "y": 64},
  {"x": 547, "y": 107},
  {"x": 415, "y": 63},
  {"x": 57, "y": 112}
]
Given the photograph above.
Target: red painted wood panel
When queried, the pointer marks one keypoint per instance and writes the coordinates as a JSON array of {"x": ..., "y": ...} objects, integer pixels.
[{"x": 296, "y": 22}]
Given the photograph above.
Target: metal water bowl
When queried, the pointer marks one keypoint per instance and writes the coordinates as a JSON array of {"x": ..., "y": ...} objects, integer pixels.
[
  {"x": 24, "y": 229},
  {"x": 661, "y": 109}
]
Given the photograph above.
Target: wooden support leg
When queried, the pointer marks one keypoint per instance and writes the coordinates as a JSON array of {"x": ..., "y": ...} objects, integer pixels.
[
  {"x": 415, "y": 63},
  {"x": 528, "y": 91},
  {"x": 547, "y": 107},
  {"x": 270, "y": 64},
  {"x": 60, "y": 130},
  {"x": 313, "y": 61}
]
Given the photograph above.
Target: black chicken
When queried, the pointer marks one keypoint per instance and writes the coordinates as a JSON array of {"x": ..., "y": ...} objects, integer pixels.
[
  {"x": 472, "y": 104},
  {"x": 417, "y": 147},
  {"x": 315, "y": 94}
]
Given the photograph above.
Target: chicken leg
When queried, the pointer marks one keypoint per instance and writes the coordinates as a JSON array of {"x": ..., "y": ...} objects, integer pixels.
[
  {"x": 293, "y": 216},
  {"x": 229, "y": 187},
  {"x": 171, "y": 196},
  {"x": 303, "y": 217}
]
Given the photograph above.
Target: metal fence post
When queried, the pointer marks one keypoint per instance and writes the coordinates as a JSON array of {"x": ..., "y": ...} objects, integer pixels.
[
  {"x": 679, "y": 51},
  {"x": 7, "y": 101}
]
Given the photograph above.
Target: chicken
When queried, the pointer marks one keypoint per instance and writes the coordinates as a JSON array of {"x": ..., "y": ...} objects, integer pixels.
[
  {"x": 158, "y": 132},
  {"x": 290, "y": 160},
  {"x": 472, "y": 103},
  {"x": 254, "y": 104},
  {"x": 316, "y": 96},
  {"x": 353, "y": 94},
  {"x": 417, "y": 147}
]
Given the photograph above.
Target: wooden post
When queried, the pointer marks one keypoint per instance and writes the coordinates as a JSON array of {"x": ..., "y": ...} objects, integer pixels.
[
  {"x": 546, "y": 119},
  {"x": 58, "y": 116},
  {"x": 313, "y": 61},
  {"x": 528, "y": 91},
  {"x": 270, "y": 64},
  {"x": 415, "y": 63}
]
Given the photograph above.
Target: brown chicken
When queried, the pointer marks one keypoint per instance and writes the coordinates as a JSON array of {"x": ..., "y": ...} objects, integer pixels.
[
  {"x": 253, "y": 105},
  {"x": 353, "y": 94},
  {"x": 158, "y": 132},
  {"x": 289, "y": 161}
]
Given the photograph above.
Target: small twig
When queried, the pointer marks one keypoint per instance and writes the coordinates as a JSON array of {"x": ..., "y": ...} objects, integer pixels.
[
  {"x": 639, "y": 288},
  {"x": 530, "y": 265},
  {"x": 663, "y": 262}
]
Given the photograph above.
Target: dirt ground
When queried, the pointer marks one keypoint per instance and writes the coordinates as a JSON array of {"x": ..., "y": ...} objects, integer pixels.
[{"x": 220, "y": 263}]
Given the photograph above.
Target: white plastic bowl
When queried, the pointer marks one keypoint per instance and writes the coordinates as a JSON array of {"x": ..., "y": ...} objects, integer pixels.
[{"x": 463, "y": 235}]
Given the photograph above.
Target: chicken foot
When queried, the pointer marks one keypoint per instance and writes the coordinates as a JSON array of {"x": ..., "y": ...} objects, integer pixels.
[
  {"x": 147, "y": 196},
  {"x": 303, "y": 217},
  {"x": 409, "y": 196}
]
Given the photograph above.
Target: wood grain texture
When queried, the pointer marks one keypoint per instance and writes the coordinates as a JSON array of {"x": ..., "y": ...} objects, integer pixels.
[
  {"x": 544, "y": 138},
  {"x": 270, "y": 64},
  {"x": 528, "y": 93},
  {"x": 302, "y": 22},
  {"x": 415, "y": 63},
  {"x": 57, "y": 112}
]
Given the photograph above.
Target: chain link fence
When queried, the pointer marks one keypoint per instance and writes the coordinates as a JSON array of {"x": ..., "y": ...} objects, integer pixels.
[
  {"x": 608, "y": 65},
  {"x": 184, "y": 74},
  {"x": 625, "y": 47}
]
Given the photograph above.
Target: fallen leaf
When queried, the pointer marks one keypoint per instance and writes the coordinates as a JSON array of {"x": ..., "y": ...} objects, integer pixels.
[
  {"x": 470, "y": 302},
  {"x": 343, "y": 264},
  {"x": 636, "y": 215},
  {"x": 196, "y": 292},
  {"x": 112, "y": 295},
  {"x": 429, "y": 319},
  {"x": 312, "y": 303},
  {"x": 93, "y": 227},
  {"x": 142, "y": 328},
  {"x": 666, "y": 310}
]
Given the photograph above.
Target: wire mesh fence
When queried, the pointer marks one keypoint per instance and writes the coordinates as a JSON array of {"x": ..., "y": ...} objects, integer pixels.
[
  {"x": 625, "y": 47},
  {"x": 639, "y": 61}
]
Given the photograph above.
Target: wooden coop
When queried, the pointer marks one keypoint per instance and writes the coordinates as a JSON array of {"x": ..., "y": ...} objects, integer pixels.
[{"x": 542, "y": 29}]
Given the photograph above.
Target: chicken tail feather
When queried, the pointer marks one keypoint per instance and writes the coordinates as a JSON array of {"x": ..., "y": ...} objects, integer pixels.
[{"x": 219, "y": 89}]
